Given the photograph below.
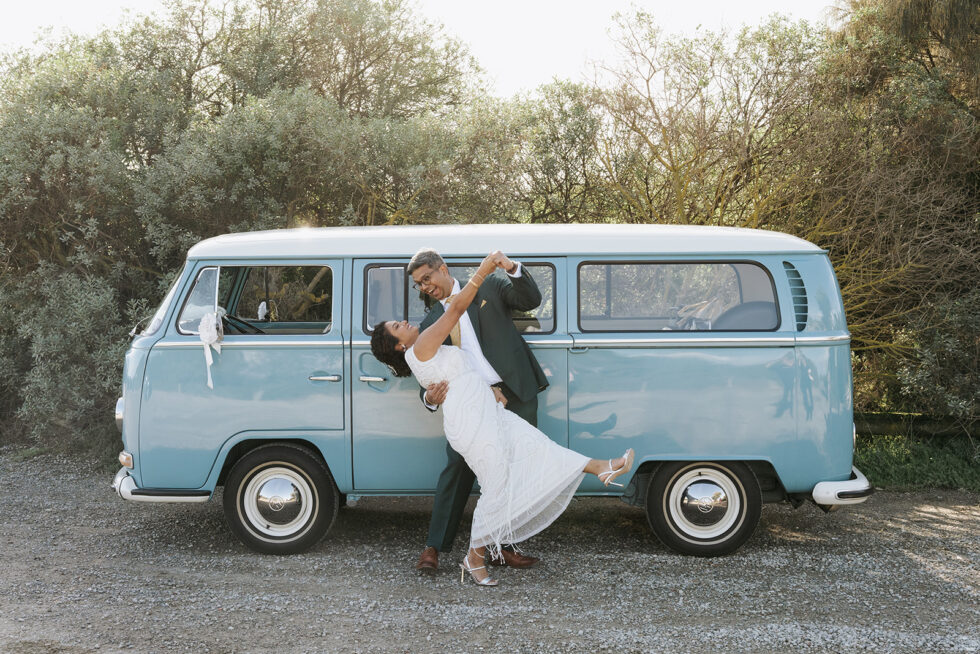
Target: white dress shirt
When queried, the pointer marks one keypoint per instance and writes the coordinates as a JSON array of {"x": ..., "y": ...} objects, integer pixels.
[{"x": 471, "y": 346}]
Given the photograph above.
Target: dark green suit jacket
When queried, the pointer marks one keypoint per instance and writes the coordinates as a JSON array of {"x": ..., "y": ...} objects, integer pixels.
[{"x": 502, "y": 345}]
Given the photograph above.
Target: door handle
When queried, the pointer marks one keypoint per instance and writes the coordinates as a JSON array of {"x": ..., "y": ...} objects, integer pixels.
[
  {"x": 578, "y": 350},
  {"x": 374, "y": 379},
  {"x": 330, "y": 378}
]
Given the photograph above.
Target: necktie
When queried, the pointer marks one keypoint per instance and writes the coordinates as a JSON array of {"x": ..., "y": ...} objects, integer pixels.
[{"x": 454, "y": 332}]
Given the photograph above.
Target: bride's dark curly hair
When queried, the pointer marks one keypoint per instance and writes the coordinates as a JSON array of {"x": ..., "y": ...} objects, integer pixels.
[{"x": 383, "y": 347}]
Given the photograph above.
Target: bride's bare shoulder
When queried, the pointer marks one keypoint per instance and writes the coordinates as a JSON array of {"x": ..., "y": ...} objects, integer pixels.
[{"x": 419, "y": 357}]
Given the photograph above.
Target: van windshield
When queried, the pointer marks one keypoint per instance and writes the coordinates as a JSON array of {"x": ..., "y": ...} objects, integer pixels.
[{"x": 157, "y": 319}]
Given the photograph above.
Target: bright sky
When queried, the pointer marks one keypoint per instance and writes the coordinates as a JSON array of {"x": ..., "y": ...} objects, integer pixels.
[{"x": 520, "y": 43}]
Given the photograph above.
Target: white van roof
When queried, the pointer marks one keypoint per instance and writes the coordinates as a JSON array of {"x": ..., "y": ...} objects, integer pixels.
[{"x": 513, "y": 239}]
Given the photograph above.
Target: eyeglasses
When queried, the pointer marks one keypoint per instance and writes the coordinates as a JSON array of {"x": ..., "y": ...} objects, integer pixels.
[{"x": 425, "y": 281}]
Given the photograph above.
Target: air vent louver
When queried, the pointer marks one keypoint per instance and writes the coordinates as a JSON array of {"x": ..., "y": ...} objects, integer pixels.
[{"x": 799, "y": 294}]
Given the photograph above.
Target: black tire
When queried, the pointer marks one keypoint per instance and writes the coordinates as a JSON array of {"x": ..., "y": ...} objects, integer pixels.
[
  {"x": 703, "y": 508},
  {"x": 280, "y": 499}
]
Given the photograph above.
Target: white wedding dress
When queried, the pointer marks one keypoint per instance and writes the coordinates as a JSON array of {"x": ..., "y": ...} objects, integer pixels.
[{"x": 526, "y": 479}]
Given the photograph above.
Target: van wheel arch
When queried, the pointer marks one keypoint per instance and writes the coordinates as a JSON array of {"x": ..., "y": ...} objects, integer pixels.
[
  {"x": 635, "y": 493},
  {"x": 238, "y": 450}
]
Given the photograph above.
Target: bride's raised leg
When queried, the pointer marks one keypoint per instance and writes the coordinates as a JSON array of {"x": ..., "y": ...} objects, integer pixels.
[{"x": 608, "y": 469}]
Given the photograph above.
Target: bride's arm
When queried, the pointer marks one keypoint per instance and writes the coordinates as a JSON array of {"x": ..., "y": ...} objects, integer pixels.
[{"x": 430, "y": 339}]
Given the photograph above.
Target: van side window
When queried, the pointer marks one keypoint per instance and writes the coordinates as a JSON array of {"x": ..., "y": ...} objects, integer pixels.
[
  {"x": 536, "y": 321},
  {"x": 389, "y": 296},
  {"x": 695, "y": 296},
  {"x": 279, "y": 299}
]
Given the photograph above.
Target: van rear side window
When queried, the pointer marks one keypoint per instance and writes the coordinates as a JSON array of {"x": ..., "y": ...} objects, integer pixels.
[{"x": 694, "y": 296}]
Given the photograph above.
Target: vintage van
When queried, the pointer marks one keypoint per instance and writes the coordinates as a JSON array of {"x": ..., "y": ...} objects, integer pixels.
[{"x": 720, "y": 355}]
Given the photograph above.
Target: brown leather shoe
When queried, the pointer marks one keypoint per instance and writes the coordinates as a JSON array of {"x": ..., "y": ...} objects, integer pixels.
[
  {"x": 515, "y": 560},
  {"x": 429, "y": 561}
]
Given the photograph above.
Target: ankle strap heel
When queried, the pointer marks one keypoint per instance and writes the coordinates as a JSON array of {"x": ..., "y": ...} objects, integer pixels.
[{"x": 464, "y": 567}]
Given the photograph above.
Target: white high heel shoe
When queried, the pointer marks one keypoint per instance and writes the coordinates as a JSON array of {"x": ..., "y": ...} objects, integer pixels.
[
  {"x": 607, "y": 476},
  {"x": 464, "y": 567}
]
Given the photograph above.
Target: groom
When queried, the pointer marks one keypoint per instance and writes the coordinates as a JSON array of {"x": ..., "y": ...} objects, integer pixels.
[{"x": 488, "y": 337}]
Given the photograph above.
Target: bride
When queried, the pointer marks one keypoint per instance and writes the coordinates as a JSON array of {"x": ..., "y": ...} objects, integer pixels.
[{"x": 526, "y": 479}]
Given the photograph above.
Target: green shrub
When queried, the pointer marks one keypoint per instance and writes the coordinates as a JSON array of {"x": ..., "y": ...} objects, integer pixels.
[
  {"x": 15, "y": 359},
  {"x": 74, "y": 332},
  {"x": 942, "y": 376},
  {"x": 907, "y": 462}
]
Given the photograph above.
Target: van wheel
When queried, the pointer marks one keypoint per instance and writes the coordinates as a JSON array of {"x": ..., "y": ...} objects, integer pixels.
[
  {"x": 703, "y": 508},
  {"x": 280, "y": 499}
]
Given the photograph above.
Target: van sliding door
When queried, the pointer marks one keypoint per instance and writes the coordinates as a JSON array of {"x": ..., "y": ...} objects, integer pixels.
[{"x": 398, "y": 445}]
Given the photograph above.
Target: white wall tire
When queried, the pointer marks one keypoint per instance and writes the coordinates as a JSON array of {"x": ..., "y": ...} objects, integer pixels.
[
  {"x": 703, "y": 508},
  {"x": 280, "y": 499}
]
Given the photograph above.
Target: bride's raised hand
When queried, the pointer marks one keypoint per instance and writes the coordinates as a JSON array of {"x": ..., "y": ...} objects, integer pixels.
[{"x": 489, "y": 263}]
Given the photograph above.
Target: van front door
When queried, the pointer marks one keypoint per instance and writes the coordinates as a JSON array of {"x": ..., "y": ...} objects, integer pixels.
[{"x": 280, "y": 369}]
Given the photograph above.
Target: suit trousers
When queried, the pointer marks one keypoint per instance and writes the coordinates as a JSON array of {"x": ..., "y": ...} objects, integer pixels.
[{"x": 456, "y": 482}]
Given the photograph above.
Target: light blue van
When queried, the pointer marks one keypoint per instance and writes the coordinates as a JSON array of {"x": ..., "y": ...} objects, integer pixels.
[{"x": 721, "y": 355}]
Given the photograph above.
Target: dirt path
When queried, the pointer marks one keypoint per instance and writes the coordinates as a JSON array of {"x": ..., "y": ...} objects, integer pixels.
[{"x": 86, "y": 572}]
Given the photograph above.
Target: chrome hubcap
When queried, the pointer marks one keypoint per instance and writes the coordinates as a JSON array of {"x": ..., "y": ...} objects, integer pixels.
[
  {"x": 279, "y": 501},
  {"x": 704, "y": 504}
]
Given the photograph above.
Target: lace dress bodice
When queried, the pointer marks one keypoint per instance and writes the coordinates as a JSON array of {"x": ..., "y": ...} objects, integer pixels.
[{"x": 447, "y": 364}]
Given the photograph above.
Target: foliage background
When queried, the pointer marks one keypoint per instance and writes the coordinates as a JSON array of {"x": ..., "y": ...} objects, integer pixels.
[{"x": 118, "y": 152}]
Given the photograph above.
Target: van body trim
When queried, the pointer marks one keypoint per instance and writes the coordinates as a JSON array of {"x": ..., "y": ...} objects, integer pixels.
[
  {"x": 255, "y": 343},
  {"x": 544, "y": 342},
  {"x": 743, "y": 341},
  {"x": 748, "y": 341},
  {"x": 819, "y": 340}
]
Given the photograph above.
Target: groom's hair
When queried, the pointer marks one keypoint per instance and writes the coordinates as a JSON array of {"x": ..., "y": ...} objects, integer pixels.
[
  {"x": 425, "y": 257},
  {"x": 383, "y": 348}
]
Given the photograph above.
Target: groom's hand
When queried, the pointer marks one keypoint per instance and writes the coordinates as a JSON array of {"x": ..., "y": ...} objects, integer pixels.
[
  {"x": 504, "y": 262},
  {"x": 435, "y": 394},
  {"x": 499, "y": 395}
]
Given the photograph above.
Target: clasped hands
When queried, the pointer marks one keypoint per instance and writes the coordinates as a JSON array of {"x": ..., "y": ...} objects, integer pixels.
[
  {"x": 435, "y": 394},
  {"x": 499, "y": 260}
]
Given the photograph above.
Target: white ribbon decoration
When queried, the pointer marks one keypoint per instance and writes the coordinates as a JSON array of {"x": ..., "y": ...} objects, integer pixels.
[{"x": 211, "y": 335}]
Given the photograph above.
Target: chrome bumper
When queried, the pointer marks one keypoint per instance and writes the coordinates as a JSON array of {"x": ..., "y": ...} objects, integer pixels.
[
  {"x": 126, "y": 488},
  {"x": 853, "y": 491}
]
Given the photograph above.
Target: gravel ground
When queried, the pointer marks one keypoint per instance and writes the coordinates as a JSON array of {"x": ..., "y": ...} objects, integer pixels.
[{"x": 86, "y": 572}]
